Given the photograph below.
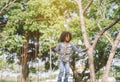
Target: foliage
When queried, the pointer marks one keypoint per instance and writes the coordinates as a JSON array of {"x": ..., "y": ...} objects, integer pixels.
[
  {"x": 99, "y": 74},
  {"x": 50, "y": 18},
  {"x": 117, "y": 68},
  {"x": 1, "y": 64},
  {"x": 32, "y": 70}
]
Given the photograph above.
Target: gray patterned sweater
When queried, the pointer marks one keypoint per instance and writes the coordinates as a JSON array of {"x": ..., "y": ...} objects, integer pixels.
[{"x": 67, "y": 49}]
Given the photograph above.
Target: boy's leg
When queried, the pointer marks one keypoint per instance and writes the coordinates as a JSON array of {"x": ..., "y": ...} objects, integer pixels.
[
  {"x": 61, "y": 68},
  {"x": 67, "y": 71}
]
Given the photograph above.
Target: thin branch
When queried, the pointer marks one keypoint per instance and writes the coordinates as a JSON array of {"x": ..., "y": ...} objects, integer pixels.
[
  {"x": 109, "y": 39},
  {"x": 112, "y": 24},
  {"x": 88, "y": 5},
  {"x": 6, "y": 6},
  {"x": 105, "y": 29},
  {"x": 76, "y": 1},
  {"x": 105, "y": 34}
]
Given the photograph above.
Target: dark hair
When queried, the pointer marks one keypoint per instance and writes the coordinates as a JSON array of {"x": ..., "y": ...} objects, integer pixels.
[{"x": 63, "y": 36}]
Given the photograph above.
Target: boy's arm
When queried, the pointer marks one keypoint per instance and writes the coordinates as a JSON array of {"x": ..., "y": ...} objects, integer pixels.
[
  {"x": 78, "y": 50},
  {"x": 56, "y": 48}
]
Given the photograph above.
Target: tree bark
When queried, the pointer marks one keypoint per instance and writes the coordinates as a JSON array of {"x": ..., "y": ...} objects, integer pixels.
[
  {"x": 112, "y": 53},
  {"x": 25, "y": 69},
  {"x": 87, "y": 44}
]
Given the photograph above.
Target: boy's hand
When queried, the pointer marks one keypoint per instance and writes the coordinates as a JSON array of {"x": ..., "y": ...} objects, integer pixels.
[
  {"x": 52, "y": 47},
  {"x": 57, "y": 54},
  {"x": 87, "y": 49}
]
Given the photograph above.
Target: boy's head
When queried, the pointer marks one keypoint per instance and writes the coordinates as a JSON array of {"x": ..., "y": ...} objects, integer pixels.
[{"x": 65, "y": 36}]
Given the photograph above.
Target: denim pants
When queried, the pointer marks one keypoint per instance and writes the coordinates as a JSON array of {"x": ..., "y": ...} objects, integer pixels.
[{"x": 63, "y": 66}]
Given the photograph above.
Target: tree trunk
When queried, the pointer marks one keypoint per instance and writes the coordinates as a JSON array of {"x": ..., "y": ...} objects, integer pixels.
[
  {"x": 112, "y": 53},
  {"x": 87, "y": 44},
  {"x": 28, "y": 56},
  {"x": 25, "y": 69},
  {"x": 24, "y": 73}
]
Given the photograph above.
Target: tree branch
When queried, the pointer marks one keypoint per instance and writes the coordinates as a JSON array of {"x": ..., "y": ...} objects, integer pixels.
[
  {"x": 112, "y": 53},
  {"x": 88, "y": 5},
  {"x": 105, "y": 29},
  {"x": 76, "y": 1},
  {"x": 109, "y": 39},
  {"x": 105, "y": 34},
  {"x": 6, "y": 6}
]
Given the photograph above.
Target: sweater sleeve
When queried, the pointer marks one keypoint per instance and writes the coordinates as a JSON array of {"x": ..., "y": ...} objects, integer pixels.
[
  {"x": 57, "y": 48},
  {"x": 77, "y": 49}
]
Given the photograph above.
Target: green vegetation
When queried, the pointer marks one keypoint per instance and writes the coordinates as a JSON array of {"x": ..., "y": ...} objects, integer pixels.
[{"x": 37, "y": 24}]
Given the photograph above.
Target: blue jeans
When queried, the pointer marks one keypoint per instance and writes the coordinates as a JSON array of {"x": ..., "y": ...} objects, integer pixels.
[{"x": 63, "y": 66}]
